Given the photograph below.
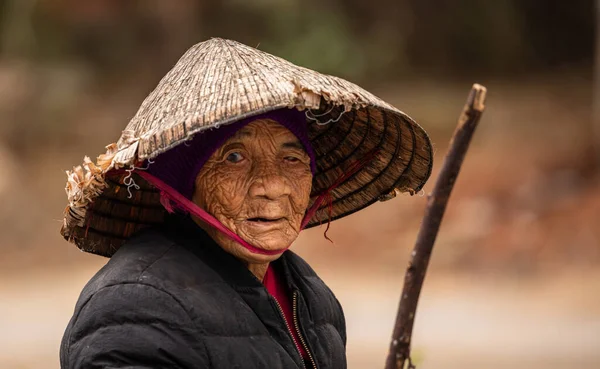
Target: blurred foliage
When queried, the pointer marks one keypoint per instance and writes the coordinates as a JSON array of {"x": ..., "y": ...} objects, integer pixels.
[{"x": 354, "y": 38}]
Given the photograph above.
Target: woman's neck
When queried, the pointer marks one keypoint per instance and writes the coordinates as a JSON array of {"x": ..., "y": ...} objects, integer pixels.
[{"x": 259, "y": 270}]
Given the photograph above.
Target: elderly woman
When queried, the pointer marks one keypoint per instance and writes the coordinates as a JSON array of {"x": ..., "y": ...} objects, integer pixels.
[{"x": 228, "y": 159}]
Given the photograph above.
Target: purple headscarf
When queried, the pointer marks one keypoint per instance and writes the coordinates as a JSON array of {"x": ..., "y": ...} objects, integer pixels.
[{"x": 180, "y": 166}]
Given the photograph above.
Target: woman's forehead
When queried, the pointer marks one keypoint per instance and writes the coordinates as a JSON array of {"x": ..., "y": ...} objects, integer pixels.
[{"x": 264, "y": 127}]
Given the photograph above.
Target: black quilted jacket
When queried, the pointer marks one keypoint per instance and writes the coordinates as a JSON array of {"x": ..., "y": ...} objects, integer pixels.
[{"x": 171, "y": 298}]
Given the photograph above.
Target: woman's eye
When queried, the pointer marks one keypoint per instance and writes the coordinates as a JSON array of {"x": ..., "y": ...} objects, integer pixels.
[
  {"x": 235, "y": 157},
  {"x": 291, "y": 159}
]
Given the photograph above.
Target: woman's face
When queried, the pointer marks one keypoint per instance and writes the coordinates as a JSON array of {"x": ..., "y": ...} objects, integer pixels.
[{"x": 258, "y": 185}]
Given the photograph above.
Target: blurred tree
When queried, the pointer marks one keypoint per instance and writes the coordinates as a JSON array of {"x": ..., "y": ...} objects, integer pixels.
[
  {"x": 17, "y": 38},
  {"x": 557, "y": 33},
  {"x": 315, "y": 35},
  {"x": 499, "y": 37},
  {"x": 595, "y": 136}
]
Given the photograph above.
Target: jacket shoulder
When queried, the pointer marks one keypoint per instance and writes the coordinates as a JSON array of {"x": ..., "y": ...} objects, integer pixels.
[
  {"x": 131, "y": 261},
  {"x": 151, "y": 258},
  {"x": 141, "y": 283},
  {"x": 112, "y": 329}
]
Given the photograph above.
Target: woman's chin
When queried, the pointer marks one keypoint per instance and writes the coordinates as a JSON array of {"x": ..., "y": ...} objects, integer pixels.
[
  {"x": 265, "y": 247},
  {"x": 270, "y": 241}
]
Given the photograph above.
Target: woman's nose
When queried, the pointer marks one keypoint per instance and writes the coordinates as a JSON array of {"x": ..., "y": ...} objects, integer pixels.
[{"x": 268, "y": 181}]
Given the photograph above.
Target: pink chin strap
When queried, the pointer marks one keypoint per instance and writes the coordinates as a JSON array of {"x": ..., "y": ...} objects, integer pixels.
[{"x": 169, "y": 195}]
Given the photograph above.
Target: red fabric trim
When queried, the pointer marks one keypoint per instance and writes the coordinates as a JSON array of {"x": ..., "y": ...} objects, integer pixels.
[{"x": 276, "y": 288}]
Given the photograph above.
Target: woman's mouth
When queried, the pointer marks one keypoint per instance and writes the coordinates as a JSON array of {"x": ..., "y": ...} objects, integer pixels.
[
  {"x": 265, "y": 222},
  {"x": 263, "y": 231},
  {"x": 259, "y": 219}
]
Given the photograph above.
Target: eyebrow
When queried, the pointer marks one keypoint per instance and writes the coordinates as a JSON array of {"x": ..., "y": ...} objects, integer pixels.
[
  {"x": 242, "y": 133},
  {"x": 293, "y": 145}
]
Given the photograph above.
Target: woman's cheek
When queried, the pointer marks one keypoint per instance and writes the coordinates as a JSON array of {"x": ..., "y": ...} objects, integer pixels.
[
  {"x": 226, "y": 201},
  {"x": 221, "y": 191},
  {"x": 301, "y": 188}
]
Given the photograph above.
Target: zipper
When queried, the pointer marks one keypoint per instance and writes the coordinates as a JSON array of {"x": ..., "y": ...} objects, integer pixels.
[
  {"x": 297, "y": 326},
  {"x": 290, "y": 331}
]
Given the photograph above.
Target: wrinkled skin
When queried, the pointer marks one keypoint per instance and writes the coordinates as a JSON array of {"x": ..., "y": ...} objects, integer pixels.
[{"x": 258, "y": 185}]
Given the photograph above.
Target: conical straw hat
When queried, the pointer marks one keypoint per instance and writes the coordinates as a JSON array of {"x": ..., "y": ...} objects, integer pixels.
[{"x": 218, "y": 82}]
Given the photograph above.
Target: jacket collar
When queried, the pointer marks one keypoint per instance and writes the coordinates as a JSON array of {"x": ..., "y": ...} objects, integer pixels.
[{"x": 185, "y": 232}]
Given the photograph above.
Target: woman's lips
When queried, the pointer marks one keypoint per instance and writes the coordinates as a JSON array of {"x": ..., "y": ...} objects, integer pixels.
[
  {"x": 261, "y": 228},
  {"x": 265, "y": 223}
]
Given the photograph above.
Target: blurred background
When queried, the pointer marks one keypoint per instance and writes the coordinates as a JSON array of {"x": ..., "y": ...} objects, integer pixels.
[{"x": 514, "y": 278}]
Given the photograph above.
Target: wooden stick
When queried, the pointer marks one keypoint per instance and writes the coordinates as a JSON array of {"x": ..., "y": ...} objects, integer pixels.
[{"x": 399, "y": 351}]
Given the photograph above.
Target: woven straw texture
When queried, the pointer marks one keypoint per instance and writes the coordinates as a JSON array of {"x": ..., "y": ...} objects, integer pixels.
[{"x": 218, "y": 82}]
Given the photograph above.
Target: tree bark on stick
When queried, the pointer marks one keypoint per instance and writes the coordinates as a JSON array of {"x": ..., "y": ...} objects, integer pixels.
[{"x": 399, "y": 352}]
